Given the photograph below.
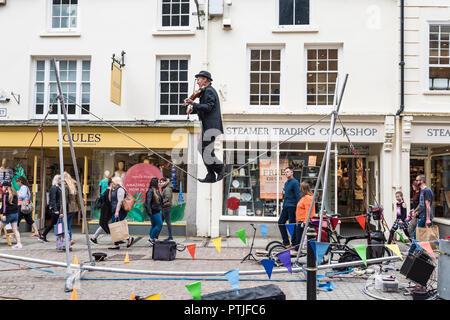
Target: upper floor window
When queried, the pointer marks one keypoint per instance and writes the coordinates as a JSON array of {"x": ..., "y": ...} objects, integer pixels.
[
  {"x": 439, "y": 58},
  {"x": 265, "y": 72},
  {"x": 173, "y": 86},
  {"x": 321, "y": 77},
  {"x": 64, "y": 14},
  {"x": 175, "y": 13},
  {"x": 74, "y": 75},
  {"x": 294, "y": 12}
]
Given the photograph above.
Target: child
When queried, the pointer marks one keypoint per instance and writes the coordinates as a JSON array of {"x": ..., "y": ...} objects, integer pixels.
[
  {"x": 10, "y": 211},
  {"x": 400, "y": 221}
]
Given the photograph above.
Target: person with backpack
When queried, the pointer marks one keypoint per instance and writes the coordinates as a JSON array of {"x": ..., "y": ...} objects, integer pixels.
[
  {"x": 10, "y": 211},
  {"x": 117, "y": 195},
  {"x": 153, "y": 204},
  {"x": 24, "y": 196},
  {"x": 166, "y": 193}
]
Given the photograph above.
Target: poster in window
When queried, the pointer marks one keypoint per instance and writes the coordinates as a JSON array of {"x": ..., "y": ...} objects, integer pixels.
[{"x": 268, "y": 178}]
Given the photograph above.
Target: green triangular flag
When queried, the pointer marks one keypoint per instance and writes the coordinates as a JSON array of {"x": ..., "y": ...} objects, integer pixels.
[
  {"x": 195, "y": 290},
  {"x": 400, "y": 235},
  {"x": 361, "y": 250},
  {"x": 241, "y": 235}
]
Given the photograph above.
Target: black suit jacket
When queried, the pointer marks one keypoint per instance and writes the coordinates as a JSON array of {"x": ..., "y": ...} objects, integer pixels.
[{"x": 208, "y": 110}]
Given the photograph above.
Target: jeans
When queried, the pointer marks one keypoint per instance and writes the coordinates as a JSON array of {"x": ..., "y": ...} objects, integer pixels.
[
  {"x": 288, "y": 213},
  {"x": 166, "y": 217},
  {"x": 70, "y": 216},
  {"x": 421, "y": 224},
  {"x": 156, "y": 221},
  {"x": 299, "y": 227}
]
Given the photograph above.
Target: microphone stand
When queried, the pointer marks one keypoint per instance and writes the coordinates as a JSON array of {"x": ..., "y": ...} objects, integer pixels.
[{"x": 250, "y": 255}]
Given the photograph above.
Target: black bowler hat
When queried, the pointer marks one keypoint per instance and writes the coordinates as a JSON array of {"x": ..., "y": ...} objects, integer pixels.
[{"x": 205, "y": 74}]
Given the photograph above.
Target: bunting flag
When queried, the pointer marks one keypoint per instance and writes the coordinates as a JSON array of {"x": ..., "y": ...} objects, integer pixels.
[
  {"x": 291, "y": 227},
  {"x": 361, "y": 250},
  {"x": 285, "y": 258},
  {"x": 268, "y": 265},
  {"x": 154, "y": 297},
  {"x": 319, "y": 248},
  {"x": 132, "y": 297},
  {"x": 218, "y": 243},
  {"x": 191, "y": 249},
  {"x": 335, "y": 222},
  {"x": 241, "y": 235},
  {"x": 415, "y": 242},
  {"x": 427, "y": 247},
  {"x": 329, "y": 286},
  {"x": 233, "y": 278},
  {"x": 361, "y": 221},
  {"x": 400, "y": 235},
  {"x": 74, "y": 295},
  {"x": 195, "y": 289},
  {"x": 263, "y": 228},
  {"x": 395, "y": 249}
]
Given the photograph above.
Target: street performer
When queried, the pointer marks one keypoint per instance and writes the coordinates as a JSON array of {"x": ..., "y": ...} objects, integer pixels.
[{"x": 208, "y": 111}]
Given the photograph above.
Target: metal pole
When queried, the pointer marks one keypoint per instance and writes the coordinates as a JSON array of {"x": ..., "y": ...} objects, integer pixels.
[
  {"x": 61, "y": 166},
  {"x": 311, "y": 269}
]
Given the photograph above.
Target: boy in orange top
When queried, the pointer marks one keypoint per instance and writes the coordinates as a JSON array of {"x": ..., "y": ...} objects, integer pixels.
[{"x": 302, "y": 211}]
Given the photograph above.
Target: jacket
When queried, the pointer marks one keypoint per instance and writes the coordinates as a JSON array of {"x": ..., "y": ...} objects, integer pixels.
[
  {"x": 208, "y": 110},
  {"x": 166, "y": 194},
  {"x": 9, "y": 208},
  {"x": 150, "y": 204},
  {"x": 55, "y": 199},
  {"x": 73, "y": 203},
  {"x": 291, "y": 193},
  {"x": 303, "y": 208}
]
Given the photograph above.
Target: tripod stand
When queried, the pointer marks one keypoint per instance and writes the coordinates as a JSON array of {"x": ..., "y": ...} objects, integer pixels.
[{"x": 250, "y": 255}]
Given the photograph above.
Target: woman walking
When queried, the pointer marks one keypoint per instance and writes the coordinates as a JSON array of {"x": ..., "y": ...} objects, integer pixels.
[
  {"x": 24, "y": 195},
  {"x": 54, "y": 206},
  {"x": 301, "y": 213},
  {"x": 105, "y": 213},
  {"x": 73, "y": 202},
  {"x": 116, "y": 196},
  {"x": 10, "y": 211},
  {"x": 153, "y": 204},
  {"x": 166, "y": 193}
]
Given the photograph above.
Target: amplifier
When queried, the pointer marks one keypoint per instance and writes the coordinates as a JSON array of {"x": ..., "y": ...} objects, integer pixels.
[
  {"x": 418, "y": 267},
  {"x": 266, "y": 292}
]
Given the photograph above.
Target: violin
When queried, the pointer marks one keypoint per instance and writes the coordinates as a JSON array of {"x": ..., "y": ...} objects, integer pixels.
[{"x": 194, "y": 96}]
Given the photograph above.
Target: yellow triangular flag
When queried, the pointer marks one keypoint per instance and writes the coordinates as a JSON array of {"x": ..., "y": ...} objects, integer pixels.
[
  {"x": 75, "y": 260},
  {"x": 132, "y": 296},
  {"x": 154, "y": 297},
  {"x": 74, "y": 294},
  {"x": 395, "y": 249},
  {"x": 127, "y": 258},
  {"x": 217, "y": 242}
]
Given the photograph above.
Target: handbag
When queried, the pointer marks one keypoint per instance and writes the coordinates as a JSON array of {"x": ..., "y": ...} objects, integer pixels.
[
  {"x": 128, "y": 202},
  {"x": 58, "y": 228},
  {"x": 98, "y": 203},
  {"x": 119, "y": 230},
  {"x": 27, "y": 206},
  {"x": 430, "y": 234}
]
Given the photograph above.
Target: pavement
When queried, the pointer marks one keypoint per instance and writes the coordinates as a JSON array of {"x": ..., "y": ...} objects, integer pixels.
[{"x": 33, "y": 281}]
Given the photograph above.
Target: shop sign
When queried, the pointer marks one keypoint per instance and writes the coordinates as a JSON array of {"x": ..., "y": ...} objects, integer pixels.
[
  {"x": 3, "y": 112},
  {"x": 419, "y": 151},
  {"x": 430, "y": 134},
  {"x": 116, "y": 84},
  {"x": 345, "y": 150},
  {"x": 318, "y": 132},
  {"x": 268, "y": 177}
]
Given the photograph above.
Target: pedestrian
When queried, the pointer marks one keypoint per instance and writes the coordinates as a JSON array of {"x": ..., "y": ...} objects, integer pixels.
[
  {"x": 153, "y": 204},
  {"x": 116, "y": 196},
  {"x": 208, "y": 111},
  {"x": 401, "y": 219},
  {"x": 415, "y": 196},
  {"x": 291, "y": 197},
  {"x": 55, "y": 206},
  {"x": 73, "y": 202},
  {"x": 105, "y": 213},
  {"x": 24, "y": 195},
  {"x": 166, "y": 193},
  {"x": 302, "y": 210},
  {"x": 10, "y": 211},
  {"x": 424, "y": 213}
]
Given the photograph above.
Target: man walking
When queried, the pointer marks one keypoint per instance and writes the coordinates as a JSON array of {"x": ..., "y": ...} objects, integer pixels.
[
  {"x": 425, "y": 208},
  {"x": 208, "y": 111},
  {"x": 291, "y": 196}
]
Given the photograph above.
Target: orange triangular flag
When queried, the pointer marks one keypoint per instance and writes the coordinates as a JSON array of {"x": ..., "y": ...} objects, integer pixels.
[
  {"x": 75, "y": 260},
  {"x": 127, "y": 258},
  {"x": 191, "y": 249},
  {"x": 361, "y": 221},
  {"x": 132, "y": 296},
  {"x": 427, "y": 247},
  {"x": 74, "y": 294}
]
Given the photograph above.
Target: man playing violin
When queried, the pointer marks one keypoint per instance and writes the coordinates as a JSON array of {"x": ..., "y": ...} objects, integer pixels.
[{"x": 208, "y": 111}]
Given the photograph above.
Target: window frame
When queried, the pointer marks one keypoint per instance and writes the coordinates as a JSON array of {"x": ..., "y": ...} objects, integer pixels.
[
  {"x": 265, "y": 108},
  {"x": 69, "y": 30},
  {"x": 158, "y": 114},
  {"x": 321, "y": 108},
  {"x": 311, "y": 27},
  {"x": 427, "y": 89},
  {"x": 79, "y": 82},
  {"x": 160, "y": 26}
]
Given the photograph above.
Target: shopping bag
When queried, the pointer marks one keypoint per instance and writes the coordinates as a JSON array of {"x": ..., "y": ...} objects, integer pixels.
[
  {"x": 430, "y": 234},
  {"x": 58, "y": 228},
  {"x": 119, "y": 230}
]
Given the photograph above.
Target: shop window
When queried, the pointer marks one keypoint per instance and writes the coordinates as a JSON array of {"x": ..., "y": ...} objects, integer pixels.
[
  {"x": 74, "y": 76},
  {"x": 439, "y": 57},
  {"x": 64, "y": 14},
  {"x": 294, "y": 12},
  {"x": 265, "y": 73},
  {"x": 173, "y": 87},
  {"x": 321, "y": 76},
  {"x": 175, "y": 13},
  {"x": 440, "y": 185}
]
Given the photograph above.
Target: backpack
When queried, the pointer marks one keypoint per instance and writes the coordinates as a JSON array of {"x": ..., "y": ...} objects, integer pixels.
[{"x": 128, "y": 202}]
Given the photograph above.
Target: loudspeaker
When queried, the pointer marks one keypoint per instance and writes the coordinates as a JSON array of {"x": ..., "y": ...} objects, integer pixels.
[
  {"x": 267, "y": 292},
  {"x": 417, "y": 267},
  {"x": 164, "y": 250}
]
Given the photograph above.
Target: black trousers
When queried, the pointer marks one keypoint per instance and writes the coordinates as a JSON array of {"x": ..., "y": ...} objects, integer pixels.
[
  {"x": 53, "y": 221},
  {"x": 27, "y": 218},
  {"x": 206, "y": 149}
]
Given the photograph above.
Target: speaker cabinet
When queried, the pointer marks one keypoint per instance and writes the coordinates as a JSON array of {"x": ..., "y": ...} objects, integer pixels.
[{"x": 417, "y": 267}]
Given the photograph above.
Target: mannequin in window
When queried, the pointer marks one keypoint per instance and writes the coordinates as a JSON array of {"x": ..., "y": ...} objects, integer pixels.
[
  {"x": 104, "y": 182},
  {"x": 120, "y": 172},
  {"x": 6, "y": 173}
]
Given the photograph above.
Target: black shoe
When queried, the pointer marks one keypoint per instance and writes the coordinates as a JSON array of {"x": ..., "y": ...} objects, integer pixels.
[
  {"x": 114, "y": 248},
  {"x": 220, "y": 174},
  {"x": 208, "y": 179},
  {"x": 93, "y": 240},
  {"x": 131, "y": 242},
  {"x": 168, "y": 239},
  {"x": 120, "y": 242},
  {"x": 42, "y": 239}
]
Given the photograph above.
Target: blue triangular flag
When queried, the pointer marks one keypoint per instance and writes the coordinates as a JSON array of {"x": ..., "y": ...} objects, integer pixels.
[
  {"x": 285, "y": 258},
  {"x": 291, "y": 227},
  {"x": 268, "y": 265},
  {"x": 263, "y": 228},
  {"x": 436, "y": 243},
  {"x": 233, "y": 278},
  {"x": 180, "y": 195},
  {"x": 327, "y": 286},
  {"x": 321, "y": 249},
  {"x": 418, "y": 245}
]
